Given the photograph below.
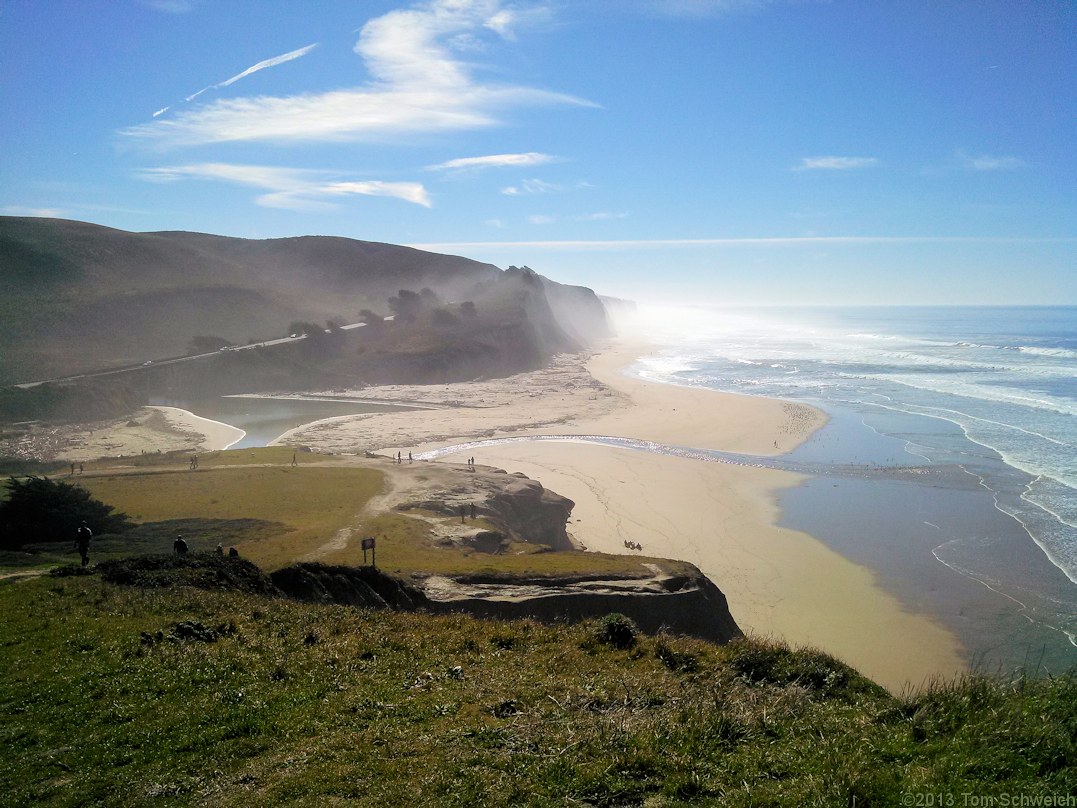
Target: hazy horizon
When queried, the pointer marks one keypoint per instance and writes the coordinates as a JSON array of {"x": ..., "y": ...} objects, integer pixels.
[{"x": 730, "y": 152}]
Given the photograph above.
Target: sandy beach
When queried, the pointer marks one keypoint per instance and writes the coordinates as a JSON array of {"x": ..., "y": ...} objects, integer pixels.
[
  {"x": 720, "y": 517},
  {"x": 151, "y": 429}
]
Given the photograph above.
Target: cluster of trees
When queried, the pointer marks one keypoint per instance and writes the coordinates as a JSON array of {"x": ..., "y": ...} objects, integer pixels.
[
  {"x": 38, "y": 510},
  {"x": 407, "y": 306}
]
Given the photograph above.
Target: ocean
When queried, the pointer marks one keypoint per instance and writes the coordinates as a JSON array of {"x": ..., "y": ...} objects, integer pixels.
[{"x": 987, "y": 392}]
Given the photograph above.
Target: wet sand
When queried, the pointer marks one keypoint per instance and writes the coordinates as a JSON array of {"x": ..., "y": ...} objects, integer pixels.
[{"x": 723, "y": 518}]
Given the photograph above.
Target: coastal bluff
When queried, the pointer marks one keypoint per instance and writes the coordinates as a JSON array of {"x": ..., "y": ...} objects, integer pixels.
[
  {"x": 687, "y": 603},
  {"x": 486, "y": 513}
]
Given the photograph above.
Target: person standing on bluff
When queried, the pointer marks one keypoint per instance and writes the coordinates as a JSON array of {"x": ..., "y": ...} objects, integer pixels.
[{"x": 82, "y": 540}]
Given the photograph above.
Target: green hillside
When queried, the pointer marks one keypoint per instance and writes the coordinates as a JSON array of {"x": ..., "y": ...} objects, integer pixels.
[{"x": 123, "y": 696}]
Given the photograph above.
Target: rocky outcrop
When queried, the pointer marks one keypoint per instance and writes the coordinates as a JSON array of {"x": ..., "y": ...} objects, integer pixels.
[
  {"x": 682, "y": 604},
  {"x": 528, "y": 512}
]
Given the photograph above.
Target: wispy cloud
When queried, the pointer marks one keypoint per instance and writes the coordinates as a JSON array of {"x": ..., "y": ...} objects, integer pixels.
[
  {"x": 832, "y": 163},
  {"x": 987, "y": 162},
  {"x": 20, "y": 210},
  {"x": 495, "y": 161},
  {"x": 777, "y": 241},
  {"x": 291, "y": 188},
  {"x": 419, "y": 85},
  {"x": 171, "y": 6},
  {"x": 262, "y": 65},
  {"x": 528, "y": 187},
  {"x": 601, "y": 216}
]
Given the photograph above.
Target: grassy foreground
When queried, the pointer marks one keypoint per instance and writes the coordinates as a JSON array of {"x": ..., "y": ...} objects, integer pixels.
[
  {"x": 277, "y": 514},
  {"x": 114, "y": 695}
]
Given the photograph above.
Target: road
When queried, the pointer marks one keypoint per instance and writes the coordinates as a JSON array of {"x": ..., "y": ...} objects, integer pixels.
[{"x": 151, "y": 363}]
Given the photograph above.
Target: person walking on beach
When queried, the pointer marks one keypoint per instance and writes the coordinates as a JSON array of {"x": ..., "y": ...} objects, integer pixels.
[
  {"x": 294, "y": 461},
  {"x": 82, "y": 540},
  {"x": 179, "y": 546}
]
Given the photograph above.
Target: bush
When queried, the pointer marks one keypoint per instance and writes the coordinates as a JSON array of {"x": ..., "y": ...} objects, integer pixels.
[
  {"x": 42, "y": 510},
  {"x": 617, "y": 631},
  {"x": 760, "y": 662}
]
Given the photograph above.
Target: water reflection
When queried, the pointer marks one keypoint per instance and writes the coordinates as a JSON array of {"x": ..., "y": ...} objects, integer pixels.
[{"x": 266, "y": 419}]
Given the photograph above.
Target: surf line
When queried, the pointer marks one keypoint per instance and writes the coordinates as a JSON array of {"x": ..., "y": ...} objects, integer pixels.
[{"x": 706, "y": 455}]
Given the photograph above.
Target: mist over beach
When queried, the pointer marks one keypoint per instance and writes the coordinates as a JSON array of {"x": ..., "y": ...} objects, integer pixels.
[{"x": 989, "y": 392}]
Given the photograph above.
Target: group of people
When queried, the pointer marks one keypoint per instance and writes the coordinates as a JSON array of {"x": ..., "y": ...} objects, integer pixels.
[
  {"x": 400, "y": 458},
  {"x": 179, "y": 547},
  {"x": 83, "y": 536},
  {"x": 471, "y": 463},
  {"x": 633, "y": 545},
  {"x": 194, "y": 462}
]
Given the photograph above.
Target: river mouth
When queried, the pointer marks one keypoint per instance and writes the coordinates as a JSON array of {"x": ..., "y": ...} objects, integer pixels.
[{"x": 265, "y": 419}]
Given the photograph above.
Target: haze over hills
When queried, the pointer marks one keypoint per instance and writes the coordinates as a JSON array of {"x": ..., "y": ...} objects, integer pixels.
[{"x": 77, "y": 297}]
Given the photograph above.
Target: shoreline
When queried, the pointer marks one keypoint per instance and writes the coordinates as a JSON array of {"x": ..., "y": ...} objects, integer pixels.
[
  {"x": 722, "y": 518},
  {"x": 725, "y": 520}
]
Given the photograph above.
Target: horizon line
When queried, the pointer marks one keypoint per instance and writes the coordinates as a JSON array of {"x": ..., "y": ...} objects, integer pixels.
[{"x": 737, "y": 241}]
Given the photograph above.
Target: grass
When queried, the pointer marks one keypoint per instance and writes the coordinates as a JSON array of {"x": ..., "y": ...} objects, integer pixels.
[
  {"x": 407, "y": 545},
  {"x": 116, "y": 695},
  {"x": 305, "y": 506},
  {"x": 276, "y": 514}
]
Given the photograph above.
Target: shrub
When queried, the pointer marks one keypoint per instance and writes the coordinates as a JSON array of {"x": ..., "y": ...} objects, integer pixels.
[
  {"x": 42, "y": 510},
  {"x": 617, "y": 631}
]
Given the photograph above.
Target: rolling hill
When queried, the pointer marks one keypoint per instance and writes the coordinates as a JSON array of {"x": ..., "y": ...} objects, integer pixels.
[{"x": 77, "y": 297}]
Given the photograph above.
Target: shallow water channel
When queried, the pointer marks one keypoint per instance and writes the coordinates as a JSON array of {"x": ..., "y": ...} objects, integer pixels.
[{"x": 266, "y": 419}]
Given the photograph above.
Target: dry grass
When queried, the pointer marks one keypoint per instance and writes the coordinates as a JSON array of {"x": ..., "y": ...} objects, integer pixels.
[{"x": 312, "y": 502}]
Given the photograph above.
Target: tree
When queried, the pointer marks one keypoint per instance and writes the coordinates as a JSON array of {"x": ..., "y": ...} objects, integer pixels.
[
  {"x": 406, "y": 305},
  {"x": 467, "y": 308},
  {"x": 444, "y": 318},
  {"x": 41, "y": 510},
  {"x": 371, "y": 318}
]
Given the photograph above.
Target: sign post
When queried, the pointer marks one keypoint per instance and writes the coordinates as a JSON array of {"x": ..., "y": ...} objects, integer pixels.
[{"x": 368, "y": 544}]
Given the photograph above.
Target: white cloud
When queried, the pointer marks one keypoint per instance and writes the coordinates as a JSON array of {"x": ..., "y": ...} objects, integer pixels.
[
  {"x": 45, "y": 213},
  {"x": 418, "y": 86},
  {"x": 987, "y": 162},
  {"x": 780, "y": 241},
  {"x": 291, "y": 188},
  {"x": 601, "y": 216},
  {"x": 541, "y": 219},
  {"x": 170, "y": 6},
  {"x": 532, "y": 187},
  {"x": 262, "y": 65},
  {"x": 273, "y": 62},
  {"x": 832, "y": 163},
  {"x": 495, "y": 161}
]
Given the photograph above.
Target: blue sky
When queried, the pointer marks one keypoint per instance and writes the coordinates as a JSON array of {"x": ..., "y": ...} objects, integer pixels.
[{"x": 703, "y": 151}]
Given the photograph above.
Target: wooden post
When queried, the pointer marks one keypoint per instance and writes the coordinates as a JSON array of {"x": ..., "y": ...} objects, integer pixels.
[{"x": 369, "y": 544}]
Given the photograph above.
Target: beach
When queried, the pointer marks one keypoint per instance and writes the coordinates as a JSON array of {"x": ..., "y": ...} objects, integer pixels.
[
  {"x": 151, "y": 429},
  {"x": 723, "y": 518}
]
